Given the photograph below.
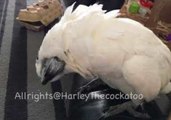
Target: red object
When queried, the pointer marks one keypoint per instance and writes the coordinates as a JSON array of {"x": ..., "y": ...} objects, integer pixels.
[{"x": 146, "y": 3}]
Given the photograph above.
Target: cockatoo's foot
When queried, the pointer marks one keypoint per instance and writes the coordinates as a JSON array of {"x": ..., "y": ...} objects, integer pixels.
[
  {"x": 88, "y": 86},
  {"x": 127, "y": 106}
]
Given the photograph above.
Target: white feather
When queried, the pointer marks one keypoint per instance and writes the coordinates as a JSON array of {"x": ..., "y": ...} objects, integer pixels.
[{"x": 122, "y": 52}]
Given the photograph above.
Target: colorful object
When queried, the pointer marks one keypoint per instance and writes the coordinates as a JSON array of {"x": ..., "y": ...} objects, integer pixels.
[
  {"x": 134, "y": 7},
  {"x": 169, "y": 37},
  {"x": 146, "y": 3},
  {"x": 143, "y": 11}
]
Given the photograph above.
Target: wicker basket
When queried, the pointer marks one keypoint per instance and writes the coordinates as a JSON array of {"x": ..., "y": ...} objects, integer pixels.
[
  {"x": 124, "y": 13},
  {"x": 152, "y": 20}
]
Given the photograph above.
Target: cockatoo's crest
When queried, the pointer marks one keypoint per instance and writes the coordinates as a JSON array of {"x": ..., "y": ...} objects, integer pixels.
[{"x": 82, "y": 10}]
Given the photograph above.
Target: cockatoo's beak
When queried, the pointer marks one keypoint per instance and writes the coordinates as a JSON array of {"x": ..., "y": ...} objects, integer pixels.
[{"x": 52, "y": 70}]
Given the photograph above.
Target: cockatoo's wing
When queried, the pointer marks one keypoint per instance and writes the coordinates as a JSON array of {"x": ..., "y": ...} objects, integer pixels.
[{"x": 92, "y": 42}]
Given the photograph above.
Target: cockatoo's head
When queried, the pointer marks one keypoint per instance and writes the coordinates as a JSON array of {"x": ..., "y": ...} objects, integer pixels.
[
  {"x": 50, "y": 69},
  {"x": 50, "y": 65}
]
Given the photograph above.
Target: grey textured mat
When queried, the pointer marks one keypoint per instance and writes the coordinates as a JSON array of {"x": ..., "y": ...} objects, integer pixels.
[{"x": 18, "y": 51}]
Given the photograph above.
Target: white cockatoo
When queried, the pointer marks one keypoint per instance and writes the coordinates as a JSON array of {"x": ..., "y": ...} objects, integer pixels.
[{"x": 120, "y": 51}]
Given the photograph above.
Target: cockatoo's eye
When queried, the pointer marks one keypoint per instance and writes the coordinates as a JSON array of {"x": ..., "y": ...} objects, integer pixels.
[{"x": 52, "y": 67}]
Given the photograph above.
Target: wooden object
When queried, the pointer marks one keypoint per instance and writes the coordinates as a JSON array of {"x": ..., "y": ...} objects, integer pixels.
[{"x": 43, "y": 12}]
